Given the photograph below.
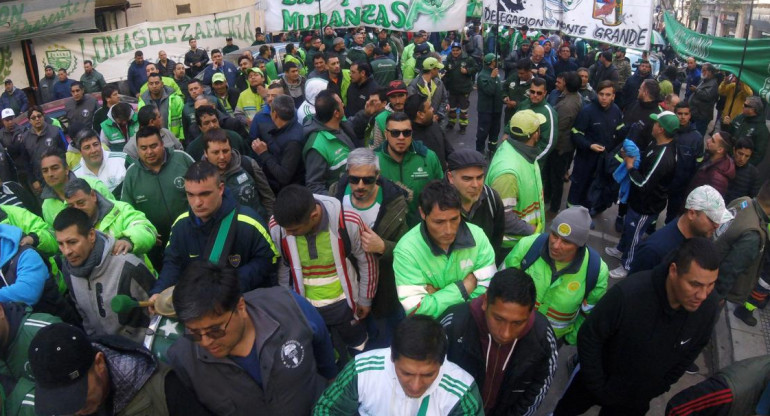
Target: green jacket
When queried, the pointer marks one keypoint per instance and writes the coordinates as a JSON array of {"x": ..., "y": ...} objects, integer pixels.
[
  {"x": 560, "y": 294},
  {"x": 168, "y": 82},
  {"x": 122, "y": 221},
  {"x": 298, "y": 61},
  {"x": 455, "y": 81},
  {"x": 15, "y": 364},
  {"x": 419, "y": 166},
  {"x": 418, "y": 262},
  {"x": 408, "y": 63},
  {"x": 32, "y": 225},
  {"x": 518, "y": 182},
  {"x": 170, "y": 109},
  {"x": 325, "y": 155},
  {"x": 161, "y": 197},
  {"x": 516, "y": 90},
  {"x": 755, "y": 129},
  {"x": 93, "y": 82},
  {"x": 490, "y": 93},
  {"x": 549, "y": 131},
  {"x": 113, "y": 137},
  {"x": 52, "y": 205},
  {"x": 344, "y": 84}
]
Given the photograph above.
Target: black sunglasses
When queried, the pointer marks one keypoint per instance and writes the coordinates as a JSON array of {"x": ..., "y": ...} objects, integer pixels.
[
  {"x": 368, "y": 180},
  {"x": 397, "y": 133},
  {"x": 533, "y": 92},
  {"x": 214, "y": 333}
]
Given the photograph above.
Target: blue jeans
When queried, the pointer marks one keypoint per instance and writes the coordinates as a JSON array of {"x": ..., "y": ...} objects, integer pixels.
[{"x": 634, "y": 227}]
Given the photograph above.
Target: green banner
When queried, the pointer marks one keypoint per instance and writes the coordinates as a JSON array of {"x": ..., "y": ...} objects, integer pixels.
[{"x": 725, "y": 53}]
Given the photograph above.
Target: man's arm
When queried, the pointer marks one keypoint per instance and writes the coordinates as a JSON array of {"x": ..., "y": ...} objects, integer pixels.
[
  {"x": 315, "y": 172},
  {"x": 341, "y": 397},
  {"x": 322, "y": 342},
  {"x": 741, "y": 256},
  {"x": 541, "y": 378},
  {"x": 35, "y": 227},
  {"x": 31, "y": 274},
  {"x": 259, "y": 271},
  {"x": 174, "y": 262},
  {"x": 600, "y": 326},
  {"x": 470, "y": 404},
  {"x": 582, "y": 123},
  {"x": 507, "y": 186},
  {"x": 367, "y": 265},
  {"x": 138, "y": 229},
  {"x": 283, "y": 170}
]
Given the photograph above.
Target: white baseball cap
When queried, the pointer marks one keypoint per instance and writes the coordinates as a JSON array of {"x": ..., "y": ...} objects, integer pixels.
[
  {"x": 707, "y": 199},
  {"x": 8, "y": 112}
]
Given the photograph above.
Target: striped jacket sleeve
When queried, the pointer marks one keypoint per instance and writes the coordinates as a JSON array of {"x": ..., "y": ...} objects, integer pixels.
[
  {"x": 341, "y": 397},
  {"x": 367, "y": 265},
  {"x": 469, "y": 404}
]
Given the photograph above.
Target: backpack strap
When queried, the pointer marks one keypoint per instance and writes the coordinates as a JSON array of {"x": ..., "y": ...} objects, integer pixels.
[
  {"x": 219, "y": 246},
  {"x": 592, "y": 273},
  {"x": 534, "y": 252}
]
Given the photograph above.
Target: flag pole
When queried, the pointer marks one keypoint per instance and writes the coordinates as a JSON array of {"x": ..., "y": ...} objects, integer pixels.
[
  {"x": 497, "y": 28},
  {"x": 743, "y": 58},
  {"x": 320, "y": 22}
]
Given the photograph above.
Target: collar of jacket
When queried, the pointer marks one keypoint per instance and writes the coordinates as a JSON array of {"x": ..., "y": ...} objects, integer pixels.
[
  {"x": 103, "y": 207},
  {"x": 573, "y": 266},
  {"x": 166, "y": 158},
  {"x": 463, "y": 239}
]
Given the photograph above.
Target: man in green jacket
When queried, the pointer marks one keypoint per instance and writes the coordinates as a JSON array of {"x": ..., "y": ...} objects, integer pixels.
[
  {"x": 328, "y": 142},
  {"x": 57, "y": 174},
  {"x": 751, "y": 124},
  {"x": 490, "y": 105},
  {"x": 92, "y": 80},
  {"x": 155, "y": 184},
  {"x": 36, "y": 232},
  {"x": 170, "y": 106},
  {"x": 565, "y": 291},
  {"x": 515, "y": 175},
  {"x": 21, "y": 325},
  {"x": 410, "y": 164},
  {"x": 460, "y": 71},
  {"x": 132, "y": 231},
  {"x": 442, "y": 261},
  {"x": 549, "y": 130},
  {"x": 408, "y": 61}
]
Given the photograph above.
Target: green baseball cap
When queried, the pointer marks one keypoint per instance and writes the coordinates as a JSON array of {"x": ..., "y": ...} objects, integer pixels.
[
  {"x": 432, "y": 63},
  {"x": 668, "y": 120},
  {"x": 257, "y": 70},
  {"x": 489, "y": 58},
  {"x": 218, "y": 77},
  {"x": 526, "y": 122}
]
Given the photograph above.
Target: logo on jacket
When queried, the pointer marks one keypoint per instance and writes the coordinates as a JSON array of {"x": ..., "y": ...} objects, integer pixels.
[
  {"x": 85, "y": 112},
  {"x": 292, "y": 353},
  {"x": 49, "y": 142},
  {"x": 573, "y": 286},
  {"x": 179, "y": 182},
  {"x": 235, "y": 260}
]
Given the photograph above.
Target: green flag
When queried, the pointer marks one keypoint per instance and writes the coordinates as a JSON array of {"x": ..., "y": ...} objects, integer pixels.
[{"x": 725, "y": 53}]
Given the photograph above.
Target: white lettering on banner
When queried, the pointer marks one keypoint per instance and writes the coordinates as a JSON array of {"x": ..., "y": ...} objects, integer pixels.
[
  {"x": 112, "y": 52},
  {"x": 618, "y": 22}
]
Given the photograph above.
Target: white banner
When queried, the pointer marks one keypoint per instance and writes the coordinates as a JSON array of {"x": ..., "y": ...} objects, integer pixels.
[
  {"x": 625, "y": 23},
  {"x": 112, "y": 52},
  {"x": 12, "y": 64},
  {"x": 408, "y": 15},
  {"x": 26, "y": 19}
]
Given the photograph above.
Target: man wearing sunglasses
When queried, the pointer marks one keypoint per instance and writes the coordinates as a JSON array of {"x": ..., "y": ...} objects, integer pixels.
[
  {"x": 263, "y": 352},
  {"x": 408, "y": 163},
  {"x": 549, "y": 130},
  {"x": 382, "y": 206},
  {"x": 515, "y": 175}
]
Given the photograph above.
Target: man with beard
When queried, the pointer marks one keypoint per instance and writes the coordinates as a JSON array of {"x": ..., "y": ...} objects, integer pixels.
[
  {"x": 425, "y": 129},
  {"x": 80, "y": 109}
]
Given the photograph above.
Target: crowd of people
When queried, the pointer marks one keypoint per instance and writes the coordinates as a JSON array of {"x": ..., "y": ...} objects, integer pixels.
[{"x": 305, "y": 235}]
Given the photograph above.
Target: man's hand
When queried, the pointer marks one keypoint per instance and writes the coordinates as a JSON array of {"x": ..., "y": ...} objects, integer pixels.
[
  {"x": 27, "y": 241},
  {"x": 151, "y": 308},
  {"x": 692, "y": 87},
  {"x": 362, "y": 312},
  {"x": 597, "y": 148},
  {"x": 122, "y": 247},
  {"x": 495, "y": 72},
  {"x": 470, "y": 283},
  {"x": 542, "y": 71},
  {"x": 726, "y": 119},
  {"x": 629, "y": 161},
  {"x": 431, "y": 289},
  {"x": 37, "y": 187},
  {"x": 258, "y": 146},
  {"x": 463, "y": 70},
  {"x": 371, "y": 242}
]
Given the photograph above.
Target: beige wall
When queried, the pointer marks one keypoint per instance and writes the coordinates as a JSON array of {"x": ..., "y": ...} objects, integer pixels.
[{"x": 154, "y": 10}]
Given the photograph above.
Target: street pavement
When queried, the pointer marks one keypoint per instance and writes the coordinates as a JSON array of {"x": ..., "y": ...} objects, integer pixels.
[{"x": 732, "y": 339}]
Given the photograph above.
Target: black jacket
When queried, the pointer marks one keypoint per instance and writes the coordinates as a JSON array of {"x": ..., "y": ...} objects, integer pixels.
[
  {"x": 745, "y": 183},
  {"x": 434, "y": 138},
  {"x": 531, "y": 366},
  {"x": 358, "y": 95},
  {"x": 634, "y": 346},
  {"x": 282, "y": 163},
  {"x": 649, "y": 183},
  {"x": 638, "y": 112},
  {"x": 488, "y": 213}
]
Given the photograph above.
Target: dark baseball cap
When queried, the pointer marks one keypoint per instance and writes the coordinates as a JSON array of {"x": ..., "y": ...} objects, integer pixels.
[
  {"x": 60, "y": 356},
  {"x": 465, "y": 158},
  {"x": 396, "y": 87}
]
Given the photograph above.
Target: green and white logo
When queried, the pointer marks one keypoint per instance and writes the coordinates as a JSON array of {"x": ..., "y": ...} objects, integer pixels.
[
  {"x": 60, "y": 57},
  {"x": 6, "y": 60}
]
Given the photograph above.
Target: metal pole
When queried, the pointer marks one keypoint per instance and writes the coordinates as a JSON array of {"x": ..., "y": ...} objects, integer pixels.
[
  {"x": 497, "y": 28},
  {"x": 320, "y": 16},
  {"x": 743, "y": 58}
]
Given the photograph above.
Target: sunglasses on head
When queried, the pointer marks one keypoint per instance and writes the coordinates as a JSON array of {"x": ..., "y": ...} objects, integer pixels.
[
  {"x": 533, "y": 92},
  {"x": 368, "y": 180},
  {"x": 397, "y": 133},
  {"x": 214, "y": 333}
]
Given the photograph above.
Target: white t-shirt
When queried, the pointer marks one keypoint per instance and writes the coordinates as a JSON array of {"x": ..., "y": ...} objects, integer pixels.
[{"x": 368, "y": 214}]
